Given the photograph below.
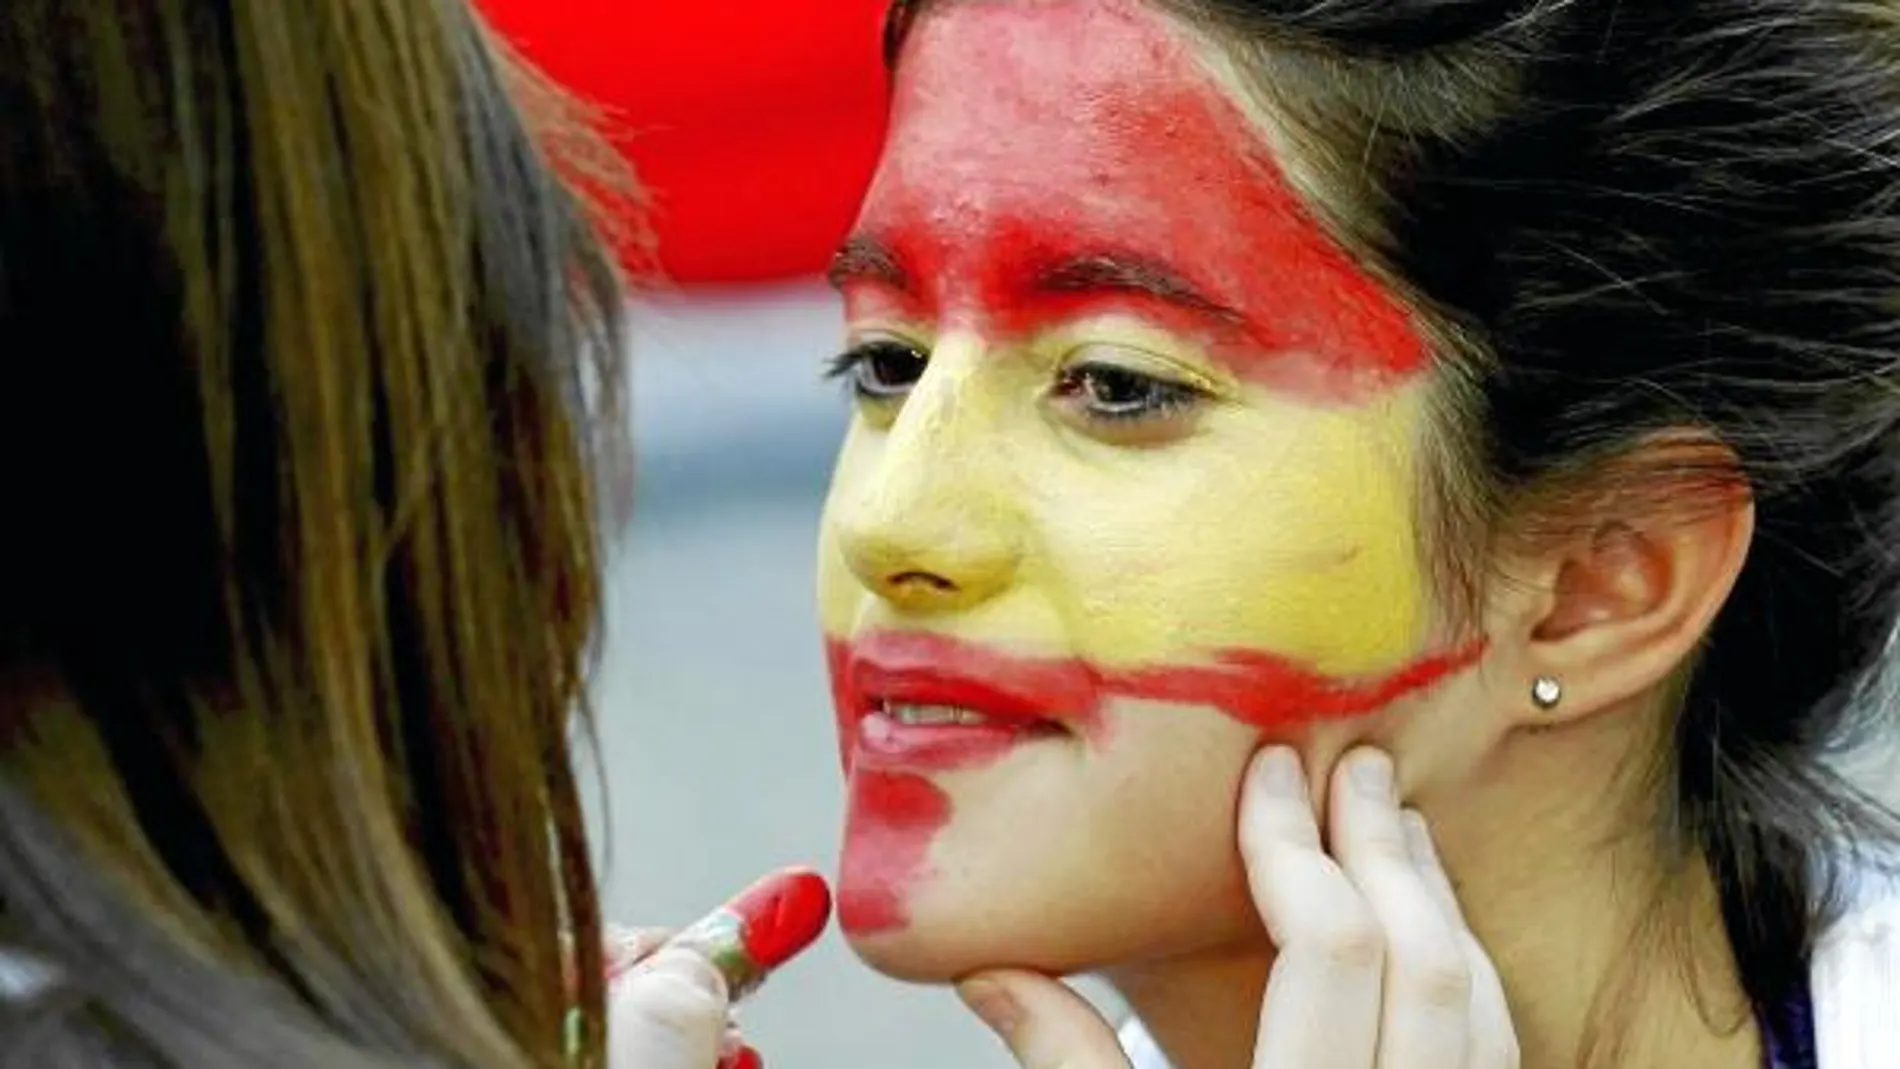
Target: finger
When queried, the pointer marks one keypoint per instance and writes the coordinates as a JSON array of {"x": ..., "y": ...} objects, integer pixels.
[
  {"x": 1044, "y": 1024},
  {"x": 627, "y": 947},
  {"x": 1426, "y": 1014},
  {"x": 1322, "y": 1002},
  {"x": 731, "y": 1043},
  {"x": 1493, "y": 1043},
  {"x": 668, "y": 1012}
]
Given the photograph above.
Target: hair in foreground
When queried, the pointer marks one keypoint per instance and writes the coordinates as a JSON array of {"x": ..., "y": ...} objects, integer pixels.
[
  {"x": 1623, "y": 222},
  {"x": 303, "y": 343}
]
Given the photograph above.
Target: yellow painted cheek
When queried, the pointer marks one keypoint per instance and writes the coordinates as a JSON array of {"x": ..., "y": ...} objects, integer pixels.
[
  {"x": 1281, "y": 528},
  {"x": 1276, "y": 527}
]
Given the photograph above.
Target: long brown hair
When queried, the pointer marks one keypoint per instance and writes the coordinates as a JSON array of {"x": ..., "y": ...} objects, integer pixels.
[{"x": 306, "y": 352}]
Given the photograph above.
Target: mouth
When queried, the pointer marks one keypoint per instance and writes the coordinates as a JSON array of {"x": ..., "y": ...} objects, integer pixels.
[{"x": 921, "y": 701}]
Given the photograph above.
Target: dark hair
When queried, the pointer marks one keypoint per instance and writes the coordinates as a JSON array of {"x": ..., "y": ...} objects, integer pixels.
[
  {"x": 1624, "y": 220},
  {"x": 305, "y": 351}
]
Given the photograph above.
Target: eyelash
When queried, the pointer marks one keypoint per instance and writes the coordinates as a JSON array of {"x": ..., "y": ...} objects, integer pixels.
[
  {"x": 850, "y": 366},
  {"x": 1160, "y": 400},
  {"x": 1163, "y": 399}
]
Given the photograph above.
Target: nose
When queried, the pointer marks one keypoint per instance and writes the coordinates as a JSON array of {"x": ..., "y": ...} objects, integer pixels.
[{"x": 933, "y": 524}]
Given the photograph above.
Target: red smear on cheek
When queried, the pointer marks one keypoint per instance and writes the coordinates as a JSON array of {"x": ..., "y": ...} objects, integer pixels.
[
  {"x": 1258, "y": 688},
  {"x": 1255, "y": 687},
  {"x": 893, "y": 818},
  {"x": 1027, "y": 135}
]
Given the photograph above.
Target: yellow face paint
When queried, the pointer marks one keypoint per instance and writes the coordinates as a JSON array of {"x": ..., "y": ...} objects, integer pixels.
[
  {"x": 1137, "y": 445},
  {"x": 1266, "y": 524}
]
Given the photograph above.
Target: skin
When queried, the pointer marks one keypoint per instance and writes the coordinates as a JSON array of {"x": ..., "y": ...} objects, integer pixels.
[
  {"x": 1226, "y": 565},
  {"x": 984, "y": 498}
]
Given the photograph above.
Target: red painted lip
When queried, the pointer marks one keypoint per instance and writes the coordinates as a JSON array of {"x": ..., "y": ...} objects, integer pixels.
[{"x": 1025, "y": 701}]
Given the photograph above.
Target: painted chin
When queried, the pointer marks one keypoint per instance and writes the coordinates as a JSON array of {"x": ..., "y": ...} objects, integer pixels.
[
  {"x": 913, "y": 707},
  {"x": 898, "y": 810},
  {"x": 886, "y": 883}
]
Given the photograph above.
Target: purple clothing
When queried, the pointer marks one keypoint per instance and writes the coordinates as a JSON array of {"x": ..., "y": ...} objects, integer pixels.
[{"x": 1788, "y": 1033}]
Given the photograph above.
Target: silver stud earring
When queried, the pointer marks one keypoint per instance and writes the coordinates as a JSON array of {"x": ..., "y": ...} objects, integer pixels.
[{"x": 1546, "y": 693}]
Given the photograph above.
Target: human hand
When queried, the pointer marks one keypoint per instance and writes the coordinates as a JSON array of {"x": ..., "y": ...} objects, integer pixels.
[
  {"x": 669, "y": 1009},
  {"x": 670, "y": 994},
  {"x": 1376, "y": 967}
]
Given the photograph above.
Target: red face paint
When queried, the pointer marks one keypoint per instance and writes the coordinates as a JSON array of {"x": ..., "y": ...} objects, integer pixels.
[
  {"x": 895, "y": 811},
  {"x": 893, "y": 818},
  {"x": 1033, "y": 144},
  {"x": 1252, "y": 686}
]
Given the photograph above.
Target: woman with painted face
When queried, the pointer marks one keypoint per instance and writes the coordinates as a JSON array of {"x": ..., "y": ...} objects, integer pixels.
[{"x": 1467, "y": 433}]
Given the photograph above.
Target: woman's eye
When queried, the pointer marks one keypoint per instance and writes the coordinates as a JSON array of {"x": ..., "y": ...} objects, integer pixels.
[
  {"x": 880, "y": 370},
  {"x": 1108, "y": 393}
]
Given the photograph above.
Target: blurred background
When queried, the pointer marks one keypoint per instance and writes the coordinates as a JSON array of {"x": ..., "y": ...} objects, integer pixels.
[{"x": 754, "y": 126}]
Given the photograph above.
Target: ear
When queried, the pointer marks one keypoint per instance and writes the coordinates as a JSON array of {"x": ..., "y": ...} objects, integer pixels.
[{"x": 1613, "y": 611}]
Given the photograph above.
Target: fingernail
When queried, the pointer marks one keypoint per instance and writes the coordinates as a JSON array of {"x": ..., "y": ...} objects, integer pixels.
[
  {"x": 1277, "y": 770},
  {"x": 1372, "y": 773},
  {"x": 994, "y": 1005},
  {"x": 744, "y": 1058},
  {"x": 691, "y": 967}
]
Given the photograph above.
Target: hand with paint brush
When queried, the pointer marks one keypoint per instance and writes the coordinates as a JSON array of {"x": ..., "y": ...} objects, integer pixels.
[{"x": 671, "y": 995}]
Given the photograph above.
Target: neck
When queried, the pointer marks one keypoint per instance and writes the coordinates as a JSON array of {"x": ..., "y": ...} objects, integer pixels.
[{"x": 1610, "y": 956}]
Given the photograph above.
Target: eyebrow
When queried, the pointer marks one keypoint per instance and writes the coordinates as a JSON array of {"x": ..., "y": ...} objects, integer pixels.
[
  {"x": 1119, "y": 273},
  {"x": 866, "y": 259}
]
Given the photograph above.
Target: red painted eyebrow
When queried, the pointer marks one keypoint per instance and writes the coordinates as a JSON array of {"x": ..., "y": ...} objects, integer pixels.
[{"x": 865, "y": 259}]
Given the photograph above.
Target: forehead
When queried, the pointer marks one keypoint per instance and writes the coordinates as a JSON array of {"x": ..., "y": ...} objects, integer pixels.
[
  {"x": 1032, "y": 133},
  {"x": 1018, "y": 104}
]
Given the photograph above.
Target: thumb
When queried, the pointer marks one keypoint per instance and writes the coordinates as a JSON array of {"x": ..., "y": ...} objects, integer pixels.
[
  {"x": 669, "y": 1012},
  {"x": 1044, "y": 1024}
]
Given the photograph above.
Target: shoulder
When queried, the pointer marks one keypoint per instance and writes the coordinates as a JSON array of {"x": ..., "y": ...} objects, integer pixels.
[{"x": 1856, "y": 976}]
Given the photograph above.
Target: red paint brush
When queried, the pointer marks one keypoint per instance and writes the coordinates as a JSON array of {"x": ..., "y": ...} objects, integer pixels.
[{"x": 762, "y": 928}]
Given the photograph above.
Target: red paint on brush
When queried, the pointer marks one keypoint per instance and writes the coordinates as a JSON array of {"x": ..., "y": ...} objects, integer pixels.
[
  {"x": 781, "y": 915},
  {"x": 893, "y": 818},
  {"x": 1054, "y": 159}
]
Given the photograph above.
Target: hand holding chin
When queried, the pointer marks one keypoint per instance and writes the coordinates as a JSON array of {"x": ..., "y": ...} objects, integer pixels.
[{"x": 1376, "y": 968}]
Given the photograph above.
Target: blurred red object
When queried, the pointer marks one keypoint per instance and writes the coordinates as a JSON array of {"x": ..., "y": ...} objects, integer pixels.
[{"x": 754, "y": 124}]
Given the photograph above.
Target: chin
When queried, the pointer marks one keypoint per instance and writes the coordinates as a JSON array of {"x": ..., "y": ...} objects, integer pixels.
[
  {"x": 913, "y": 955},
  {"x": 943, "y": 937}
]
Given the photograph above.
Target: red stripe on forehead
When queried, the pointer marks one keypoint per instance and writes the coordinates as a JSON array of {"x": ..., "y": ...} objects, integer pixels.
[{"x": 1029, "y": 135}]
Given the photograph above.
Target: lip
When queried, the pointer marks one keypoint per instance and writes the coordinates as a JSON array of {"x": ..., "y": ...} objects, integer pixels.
[{"x": 1025, "y": 700}]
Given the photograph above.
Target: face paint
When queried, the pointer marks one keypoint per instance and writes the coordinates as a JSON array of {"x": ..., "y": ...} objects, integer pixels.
[
  {"x": 1118, "y": 174},
  {"x": 1064, "y": 178},
  {"x": 894, "y": 817},
  {"x": 1252, "y": 686}
]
